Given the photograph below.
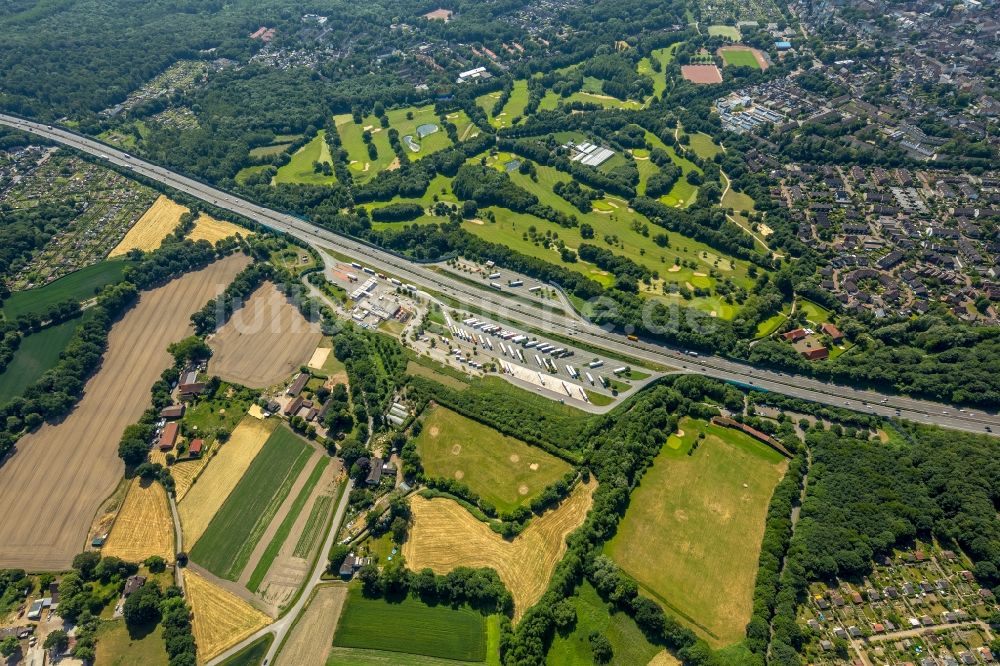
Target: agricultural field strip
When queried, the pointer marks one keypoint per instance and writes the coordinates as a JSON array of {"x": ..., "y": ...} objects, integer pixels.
[
  {"x": 311, "y": 533},
  {"x": 311, "y": 638},
  {"x": 216, "y": 482},
  {"x": 144, "y": 526},
  {"x": 44, "y": 530},
  {"x": 284, "y": 529},
  {"x": 220, "y": 618},
  {"x": 234, "y": 532},
  {"x": 149, "y": 231},
  {"x": 411, "y": 627}
]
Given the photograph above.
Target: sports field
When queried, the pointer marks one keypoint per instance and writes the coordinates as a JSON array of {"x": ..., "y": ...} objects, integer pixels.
[
  {"x": 629, "y": 645},
  {"x": 80, "y": 285},
  {"x": 149, "y": 231},
  {"x": 691, "y": 535},
  {"x": 739, "y": 57},
  {"x": 502, "y": 470},
  {"x": 203, "y": 500},
  {"x": 234, "y": 531},
  {"x": 363, "y": 168},
  {"x": 264, "y": 341},
  {"x": 411, "y": 627},
  {"x": 444, "y": 536},
  {"x": 144, "y": 526},
  {"x": 220, "y": 619},
  {"x": 701, "y": 74},
  {"x": 464, "y": 127},
  {"x": 36, "y": 354},
  {"x": 728, "y": 31},
  {"x": 299, "y": 169},
  {"x": 683, "y": 193},
  {"x": 44, "y": 530}
]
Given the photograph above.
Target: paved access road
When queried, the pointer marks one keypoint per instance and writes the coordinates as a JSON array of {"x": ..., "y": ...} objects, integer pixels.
[{"x": 500, "y": 304}]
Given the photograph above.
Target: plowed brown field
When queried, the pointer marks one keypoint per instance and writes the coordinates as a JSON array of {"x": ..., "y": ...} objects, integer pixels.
[
  {"x": 52, "y": 486},
  {"x": 445, "y": 536},
  {"x": 264, "y": 341}
]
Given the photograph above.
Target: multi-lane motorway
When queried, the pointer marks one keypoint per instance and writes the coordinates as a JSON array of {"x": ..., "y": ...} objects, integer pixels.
[{"x": 516, "y": 311}]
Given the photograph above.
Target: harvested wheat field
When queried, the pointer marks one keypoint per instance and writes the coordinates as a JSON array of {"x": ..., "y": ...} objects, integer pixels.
[
  {"x": 312, "y": 636},
  {"x": 264, "y": 341},
  {"x": 186, "y": 471},
  {"x": 144, "y": 526},
  {"x": 150, "y": 230},
  {"x": 213, "y": 230},
  {"x": 49, "y": 507},
  {"x": 445, "y": 536},
  {"x": 221, "y": 619},
  {"x": 227, "y": 467}
]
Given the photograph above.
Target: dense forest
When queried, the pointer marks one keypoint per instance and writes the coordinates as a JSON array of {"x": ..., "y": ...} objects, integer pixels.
[{"x": 866, "y": 498}]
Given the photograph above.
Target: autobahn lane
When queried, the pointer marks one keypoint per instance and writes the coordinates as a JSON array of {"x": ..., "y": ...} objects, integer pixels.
[{"x": 488, "y": 301}]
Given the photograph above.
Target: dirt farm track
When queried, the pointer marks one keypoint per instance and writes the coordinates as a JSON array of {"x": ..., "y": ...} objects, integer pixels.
[{"x": 52, "y": 486}]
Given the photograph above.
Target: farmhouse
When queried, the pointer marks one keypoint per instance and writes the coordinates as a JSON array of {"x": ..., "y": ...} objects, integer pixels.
[
  {"x": 172, "y": 412},
  {"x": 190, "y": 391},
  {"x": 294, "y": 406},
  {"x": 300, "y": 383},
  {"x": 795, "y": 336},
  {"x": 169, "y": 436},
  {"x": 375, "y": 472},
  {"x": 133, "y": 584},
  {"x": 195, "y": 449},
  {"x": 351, "y": 564},
  {"x": 816, "y": 354},
  {"x": 832, "y": 331}
]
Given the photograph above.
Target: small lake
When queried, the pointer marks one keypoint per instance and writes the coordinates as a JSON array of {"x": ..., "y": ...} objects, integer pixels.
[{"x": 426, "y": 129}]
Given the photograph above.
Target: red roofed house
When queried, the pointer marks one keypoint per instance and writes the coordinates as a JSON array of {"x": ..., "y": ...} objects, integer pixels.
[
  {"x": 195, "y": 449},
  {"x": 817, "y": 354},
  {"x": 169, "y": 436},
  {"x": 832, "y": 331},
  {"x": 794, "y": 336}
]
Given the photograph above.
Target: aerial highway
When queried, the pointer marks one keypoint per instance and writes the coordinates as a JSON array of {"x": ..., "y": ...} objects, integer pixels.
[{"x": 501, "y": 305}]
